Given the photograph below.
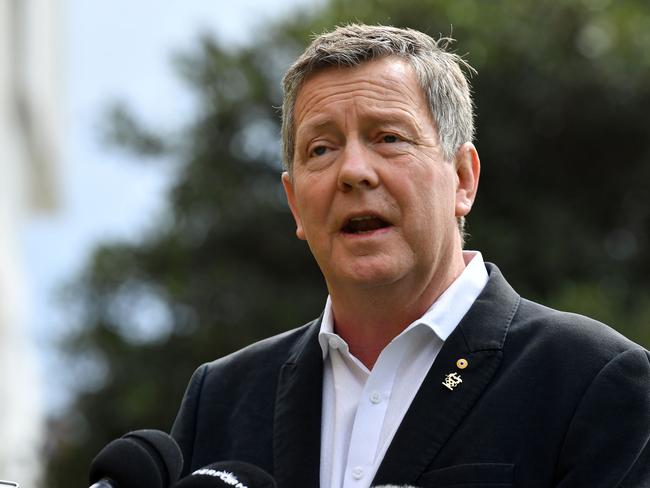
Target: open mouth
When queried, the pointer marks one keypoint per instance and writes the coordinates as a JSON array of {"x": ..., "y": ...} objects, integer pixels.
[{"x": 361, "y": 225}]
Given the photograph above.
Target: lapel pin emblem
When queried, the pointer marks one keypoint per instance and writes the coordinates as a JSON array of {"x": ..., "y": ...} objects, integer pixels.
[
  {"x": 452, "y": 380},
  {"x": 462, "y": 363}
]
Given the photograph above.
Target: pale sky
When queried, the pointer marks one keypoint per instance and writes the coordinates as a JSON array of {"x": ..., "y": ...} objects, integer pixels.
[{"x": 117, "y": 50}]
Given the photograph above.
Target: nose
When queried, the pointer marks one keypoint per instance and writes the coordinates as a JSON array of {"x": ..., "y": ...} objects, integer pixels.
[{"x": 357, "y": 170}]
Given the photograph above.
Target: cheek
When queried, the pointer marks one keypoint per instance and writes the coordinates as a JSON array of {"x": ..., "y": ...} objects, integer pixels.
[
  {"x": 431, "y": 199},
  {"x": 312, "y": 207}
]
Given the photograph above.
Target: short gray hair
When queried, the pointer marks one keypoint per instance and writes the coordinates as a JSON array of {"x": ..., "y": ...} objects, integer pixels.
[{"x": 439, "y": 73}]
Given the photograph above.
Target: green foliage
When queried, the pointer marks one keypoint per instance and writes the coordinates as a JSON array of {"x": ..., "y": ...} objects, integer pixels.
[{"x": 562, "y": 93}]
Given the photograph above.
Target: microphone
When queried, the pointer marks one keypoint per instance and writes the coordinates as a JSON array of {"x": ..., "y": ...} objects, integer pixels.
[
  {"x": 139, "y": 459},
  {"x": 231, "y": 474}
]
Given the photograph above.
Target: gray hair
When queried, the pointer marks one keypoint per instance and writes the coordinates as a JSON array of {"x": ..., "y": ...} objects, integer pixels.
[{"x": 439, "y": 73}]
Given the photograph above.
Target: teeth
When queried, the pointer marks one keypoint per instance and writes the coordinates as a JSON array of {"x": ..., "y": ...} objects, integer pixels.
[{"x": 359, "y": 219}]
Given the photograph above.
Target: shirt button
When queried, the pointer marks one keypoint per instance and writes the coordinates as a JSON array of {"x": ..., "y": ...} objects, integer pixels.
[
  {"x": 375, "y": 397},
  {"x": 334, "y": 343},
  {"x": 357, "y": 473}
]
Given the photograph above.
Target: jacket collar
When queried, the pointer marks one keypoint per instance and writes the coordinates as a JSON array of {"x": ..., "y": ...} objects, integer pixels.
[{"x": 297, "y": 424}]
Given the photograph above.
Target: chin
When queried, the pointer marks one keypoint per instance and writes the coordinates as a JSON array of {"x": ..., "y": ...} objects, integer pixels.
[{"x": 370, "y": 276}]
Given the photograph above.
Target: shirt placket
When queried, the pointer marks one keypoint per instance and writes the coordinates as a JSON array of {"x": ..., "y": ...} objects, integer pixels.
[{"x": 369, "y": 419}]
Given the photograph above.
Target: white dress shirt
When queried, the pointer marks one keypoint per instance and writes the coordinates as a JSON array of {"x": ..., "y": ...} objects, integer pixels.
[{"x": 362, "y": 409}]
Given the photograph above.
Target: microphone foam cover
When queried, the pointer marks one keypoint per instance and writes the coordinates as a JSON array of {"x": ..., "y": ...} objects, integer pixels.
[
  {"x": 231, "y": 474},
  {"x": 164, "y": 449},
  {"x": 144, "y": 458}
]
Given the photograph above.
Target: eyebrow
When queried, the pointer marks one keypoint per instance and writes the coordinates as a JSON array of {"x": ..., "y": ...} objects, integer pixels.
[
  {"x": 318, "y": 124},
  {"x": 391, "y": 118}
]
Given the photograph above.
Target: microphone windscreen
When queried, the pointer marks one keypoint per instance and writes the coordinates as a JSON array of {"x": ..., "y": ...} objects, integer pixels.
[
  {"x": 143, "y": 458},
  {"x": 163, "y": 448},
  {"x": 229, "y": 474}
]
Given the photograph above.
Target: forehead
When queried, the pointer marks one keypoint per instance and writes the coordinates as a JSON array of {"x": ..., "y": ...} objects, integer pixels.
[{"x": 386, "y": 84}]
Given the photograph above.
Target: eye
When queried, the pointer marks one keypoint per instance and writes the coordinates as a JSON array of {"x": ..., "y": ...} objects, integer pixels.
[
  {"x": 318, "y": 151},
  {"x": 389, "y": 138}
]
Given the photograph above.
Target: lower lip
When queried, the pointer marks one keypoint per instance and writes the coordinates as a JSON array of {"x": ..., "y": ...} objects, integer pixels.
[{"x": 371, "y": 233}]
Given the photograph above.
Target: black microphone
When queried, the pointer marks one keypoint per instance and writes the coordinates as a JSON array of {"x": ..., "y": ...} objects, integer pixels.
[
  {"x": 231, "y": 474},
  {"x": 139, "y": 459}
]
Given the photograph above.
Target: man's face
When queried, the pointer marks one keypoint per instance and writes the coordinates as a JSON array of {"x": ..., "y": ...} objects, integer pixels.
[{"x": 370, "y": 190}]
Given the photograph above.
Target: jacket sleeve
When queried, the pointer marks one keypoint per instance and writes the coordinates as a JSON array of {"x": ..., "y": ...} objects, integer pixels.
[
  {"x": 184, "y": 428},
  {"x": 608, "y": 440}
]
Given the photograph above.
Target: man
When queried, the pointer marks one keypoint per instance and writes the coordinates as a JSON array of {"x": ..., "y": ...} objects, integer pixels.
[{"x": 425, "y": 367}]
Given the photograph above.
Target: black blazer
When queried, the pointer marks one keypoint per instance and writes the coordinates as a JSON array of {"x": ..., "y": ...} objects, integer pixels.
[{"x": 547, "y": 399}]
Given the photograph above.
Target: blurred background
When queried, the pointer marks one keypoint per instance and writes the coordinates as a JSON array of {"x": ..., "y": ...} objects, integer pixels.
[{"x": 143, "y": 227}]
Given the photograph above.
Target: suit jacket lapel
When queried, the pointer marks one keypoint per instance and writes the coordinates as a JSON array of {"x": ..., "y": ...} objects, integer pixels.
[
  {"x": 297, "y": 423},
  {"x": 436, "y": 410}
]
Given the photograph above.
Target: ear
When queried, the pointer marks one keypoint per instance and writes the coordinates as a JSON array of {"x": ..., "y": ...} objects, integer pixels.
[
  {"x": 468, "y": 170},
  {"x": 291, "y": 199}
]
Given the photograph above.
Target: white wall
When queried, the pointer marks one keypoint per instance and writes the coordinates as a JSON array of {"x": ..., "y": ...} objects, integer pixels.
[{"x": 29, "y": 152}]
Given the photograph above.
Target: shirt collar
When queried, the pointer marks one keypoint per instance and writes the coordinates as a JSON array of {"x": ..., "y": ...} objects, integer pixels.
[
  {"x": 326, "y": 328},
  {"x": 443, "y": 315}
]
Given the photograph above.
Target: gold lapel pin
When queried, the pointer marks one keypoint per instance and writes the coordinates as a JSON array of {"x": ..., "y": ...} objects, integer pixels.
[{"x": 462, "y": 363}]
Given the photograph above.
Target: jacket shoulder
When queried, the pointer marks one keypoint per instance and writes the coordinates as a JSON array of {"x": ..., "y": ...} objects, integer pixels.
[
  {"x": 263, "y": 356},
  {"x": 568, "y": 332},
  {"x": 231, "y": 400}
]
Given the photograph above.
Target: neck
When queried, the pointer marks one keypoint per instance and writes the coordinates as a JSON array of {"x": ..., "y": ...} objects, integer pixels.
[{"x": 368, "y": 318}]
